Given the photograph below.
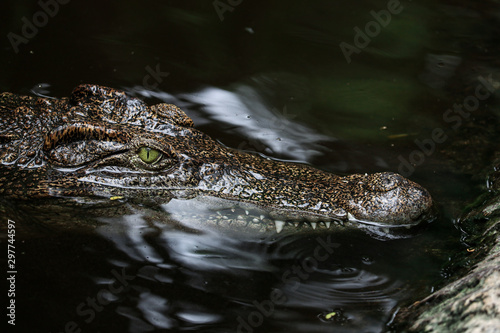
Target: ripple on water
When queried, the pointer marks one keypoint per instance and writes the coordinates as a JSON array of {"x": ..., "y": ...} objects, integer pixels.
[{"x": 201, "y": 280}]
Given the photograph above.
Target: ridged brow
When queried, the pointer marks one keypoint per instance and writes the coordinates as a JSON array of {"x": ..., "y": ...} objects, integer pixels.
[{"x": 83, "y": 131}]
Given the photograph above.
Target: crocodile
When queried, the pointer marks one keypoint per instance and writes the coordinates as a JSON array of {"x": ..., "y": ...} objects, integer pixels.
[{"x": 102, "y": 143}]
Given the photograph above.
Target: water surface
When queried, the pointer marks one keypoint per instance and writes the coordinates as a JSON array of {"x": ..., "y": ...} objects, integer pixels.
[{"x": 267, "y": 77}]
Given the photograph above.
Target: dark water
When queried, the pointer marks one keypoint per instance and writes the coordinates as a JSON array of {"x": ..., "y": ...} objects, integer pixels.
[{"x": 270, "y": 77}]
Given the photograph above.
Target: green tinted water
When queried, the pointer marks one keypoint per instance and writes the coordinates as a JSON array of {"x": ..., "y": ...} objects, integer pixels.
[{"x": 272, "y": 78}]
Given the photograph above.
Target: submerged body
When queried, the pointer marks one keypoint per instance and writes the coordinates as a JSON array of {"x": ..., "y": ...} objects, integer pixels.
[{"x": 102, "y": 143}]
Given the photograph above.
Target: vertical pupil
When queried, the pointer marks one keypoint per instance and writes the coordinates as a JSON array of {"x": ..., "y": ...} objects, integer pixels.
[{"x": 149, "y": 155}]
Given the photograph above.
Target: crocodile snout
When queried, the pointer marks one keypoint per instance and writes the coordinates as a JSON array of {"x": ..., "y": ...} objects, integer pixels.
[{"x": 388, "y": 198}]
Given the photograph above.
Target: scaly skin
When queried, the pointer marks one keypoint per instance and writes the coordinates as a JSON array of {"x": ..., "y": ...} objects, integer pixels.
[{"x": 89, "y": 145}]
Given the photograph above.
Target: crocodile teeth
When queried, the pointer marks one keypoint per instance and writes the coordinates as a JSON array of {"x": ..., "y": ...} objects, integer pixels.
[
  {"x": 246, "y": 212},
  {"x": 279, "y": 226},
  {"x": 296, "y": 224},
  {"x": 350, "y": 217},
  {"x": 314, "y": 225},
  {"x": 328, "y": 224}
]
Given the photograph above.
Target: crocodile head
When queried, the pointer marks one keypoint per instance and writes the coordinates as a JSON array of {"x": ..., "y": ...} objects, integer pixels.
[{"x": 102, "y": 143}]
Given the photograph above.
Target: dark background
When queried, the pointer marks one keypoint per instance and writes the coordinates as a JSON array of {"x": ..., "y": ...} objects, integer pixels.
[{"x": 270, "y": 77}]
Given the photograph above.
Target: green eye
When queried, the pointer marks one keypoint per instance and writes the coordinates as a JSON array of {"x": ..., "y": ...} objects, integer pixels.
[{"x": 149, "y": 155}]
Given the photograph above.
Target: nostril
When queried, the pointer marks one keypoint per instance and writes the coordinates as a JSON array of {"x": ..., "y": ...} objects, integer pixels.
[
  {"x": 391, "y": 199},
  {"x": 384, "y": 181}
]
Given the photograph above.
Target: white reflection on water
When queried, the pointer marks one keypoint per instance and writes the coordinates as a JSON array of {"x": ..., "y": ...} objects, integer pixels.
[
  {"x": 127, "y": 233},
  {"x": 195, "y": 280},
  {"x": 244, "y": 109},
  {"x": 264, "y": 127}
]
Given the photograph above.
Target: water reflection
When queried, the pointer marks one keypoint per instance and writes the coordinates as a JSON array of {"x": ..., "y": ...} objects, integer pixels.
[
  {"x": 204, "y": 280},
  {"x": 285, "y": 90},
  {"x": 265, "y": 129},
  {"x": 243, "y": 111},
  {"x": 251, "y": 119}
]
